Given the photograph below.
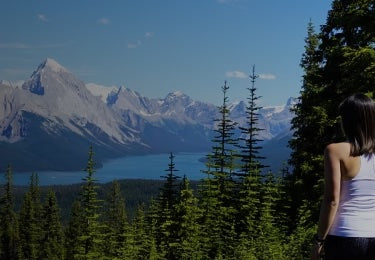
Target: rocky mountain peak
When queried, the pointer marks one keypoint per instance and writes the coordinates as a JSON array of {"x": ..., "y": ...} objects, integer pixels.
[
  {"x": 178, "y": 97},
  {"x": 52, "y": 65},
  {"x": 292, "y": 101}
]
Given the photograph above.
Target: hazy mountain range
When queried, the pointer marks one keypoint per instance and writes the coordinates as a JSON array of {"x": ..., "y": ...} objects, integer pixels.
[{"x": 49, "y": 121}]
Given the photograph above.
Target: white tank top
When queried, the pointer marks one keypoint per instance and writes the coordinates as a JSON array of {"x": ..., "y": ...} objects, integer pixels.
[{"x": 356, "y": 212}]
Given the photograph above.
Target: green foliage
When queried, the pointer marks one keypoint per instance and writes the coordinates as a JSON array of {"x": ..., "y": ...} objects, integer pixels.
[
  {"x": 250, "y": 147},
  {"x": 338, "y": 62},
  {"x": 73, "y": 231},
  {"x": 9, "y": 242},
  {"x": 91, "y": 237},
  {"x": 143, "y": 244},
  {"x": 186, "y": 216},
  {"x": 217, "y": 200},
  {"x": 240, "y": 211},
  {"x": 116, "y": 242},
  {"x": 30, "y": 220},
  {"x": 52, "y": 238}
]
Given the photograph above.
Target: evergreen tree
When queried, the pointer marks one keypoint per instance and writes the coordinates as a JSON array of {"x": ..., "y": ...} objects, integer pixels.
[
  {"x": 249, "y": 209},
  {"x": 143, "y": 244},
  {"x": 30, "y": 219},
  {"x": 186, "y": 246},
  {"x": 91, "y": 237},
  {"x": 9, "y": 242},
  {"x": 218, "y": 188},
  {"x": 269, "y": 242},
  {"x": 310, "y": 118},
  {"x": 117, "y": 226},
  {"x": 166, "y": 201},
  {"x": 337, "y": 62},
  {"x": 250, "y": 175},
  {"x": 209, "y": 204},
  {"x": 299, "y": 241},
  {"x": 152, "y": 217},
  {"x": 52, "y": 240},
  {"x": 169, "y": 192},
  {"x": 73, "y": 232},
  {"x": 250, "y": 147}
]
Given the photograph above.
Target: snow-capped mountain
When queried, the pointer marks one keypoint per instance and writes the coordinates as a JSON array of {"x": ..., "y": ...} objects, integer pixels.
[
  {"x": 51, "y": 115},
  {"x": 275, "y": 120},
  {"x": 63, "y": 101},
  {"x": 48, "y": 121}
]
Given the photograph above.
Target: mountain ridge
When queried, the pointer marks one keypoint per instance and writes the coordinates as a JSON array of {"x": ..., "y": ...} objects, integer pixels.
[{"x": 54, "y": 109}]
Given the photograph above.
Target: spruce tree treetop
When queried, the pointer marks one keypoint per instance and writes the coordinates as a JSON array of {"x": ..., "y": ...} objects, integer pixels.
[{"x": 250, "y": 141}]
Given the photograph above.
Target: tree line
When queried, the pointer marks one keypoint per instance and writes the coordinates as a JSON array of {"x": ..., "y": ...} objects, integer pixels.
[
  {"x": 229, "y": 216},
  {"x": 240, "y": 210}
]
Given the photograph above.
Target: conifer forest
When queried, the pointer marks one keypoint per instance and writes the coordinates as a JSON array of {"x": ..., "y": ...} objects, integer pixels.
[{"x": 240, "y": 210}]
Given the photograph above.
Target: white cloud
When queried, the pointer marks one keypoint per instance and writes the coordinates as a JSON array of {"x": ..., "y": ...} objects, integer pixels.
[
  {"x": 149, "y": 34},
  {"x": 42, "y": 17},
  {"x": 236, "y": 74},
  {"x": 134, "y": 45},
  {"x": 103, "y": 20},
  {"x": 267, "y": 76}
]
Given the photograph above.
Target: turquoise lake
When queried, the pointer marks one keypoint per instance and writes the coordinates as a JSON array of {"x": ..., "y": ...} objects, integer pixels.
[{"x": 130, "y": 167}]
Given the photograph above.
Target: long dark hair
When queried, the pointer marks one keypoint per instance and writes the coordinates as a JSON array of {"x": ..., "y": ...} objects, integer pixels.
[{"x": 358, "y": 123}]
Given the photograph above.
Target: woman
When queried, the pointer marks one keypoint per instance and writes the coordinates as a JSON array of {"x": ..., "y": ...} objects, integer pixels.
[{"x": 346, "y": 226}]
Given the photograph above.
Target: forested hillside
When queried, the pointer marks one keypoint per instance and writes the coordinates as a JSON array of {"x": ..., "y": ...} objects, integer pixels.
[
  {"x": 240, "y": 210},
  {"x": 134, "y": 191}
]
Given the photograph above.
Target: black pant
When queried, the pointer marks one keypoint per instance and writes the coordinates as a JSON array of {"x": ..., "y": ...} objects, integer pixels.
[{"x": 349, "y": 248}]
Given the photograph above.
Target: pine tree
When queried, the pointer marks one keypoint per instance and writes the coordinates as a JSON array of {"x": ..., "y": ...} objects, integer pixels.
[
  {"x": 52, "y": 239},
  {"x": 143, "y": 243},
  {"x": 117, "y": 226},
  {"x": 251, "y": 166},
  {"x": 73, "y": 232},
  {"x": 337, "y": 62},
  {"x": 209, "y": 204},
  {"x": 250, "y": 148},
  {"x": 152, "y": 217},
  {"x": 269, "y": 242},
  {"x": 30, "y": 219},
  {"x": 186, "y": 246},
  {"x": 166, "y": 201},
  {"x": 169, "y": 192},
  {"x": 9, "y": 242},
  {"x": 310, "y": 118},
  {"x": 91, "y": 237},
  {"x": 219, "y": 186}
]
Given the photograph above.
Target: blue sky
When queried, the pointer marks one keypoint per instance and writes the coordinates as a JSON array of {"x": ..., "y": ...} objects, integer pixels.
[{"x": 159, "y": 46}]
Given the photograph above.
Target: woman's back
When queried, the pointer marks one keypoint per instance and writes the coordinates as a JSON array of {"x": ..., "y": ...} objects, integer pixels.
[{"x": 356, "y": 211}]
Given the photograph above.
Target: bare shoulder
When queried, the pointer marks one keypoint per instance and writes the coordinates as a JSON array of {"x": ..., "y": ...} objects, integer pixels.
[
  {"x": 339, "y": 153},
  {"x": 340, "y": 150}
]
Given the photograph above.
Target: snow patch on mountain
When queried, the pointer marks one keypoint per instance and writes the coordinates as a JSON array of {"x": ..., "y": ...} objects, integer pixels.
[
  {"x": 58, "y": 104},
  {"x": 101, "y": 91},
  {"x": 13, "y": 84}
]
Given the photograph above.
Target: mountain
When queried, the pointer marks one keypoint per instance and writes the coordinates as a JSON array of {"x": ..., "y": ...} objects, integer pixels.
[
  {"x": 275, "y": 122},
  {"x": 49, "y": 121},
  {"x": 175, "y": 123},
  {"x": 178, "y": 116}
]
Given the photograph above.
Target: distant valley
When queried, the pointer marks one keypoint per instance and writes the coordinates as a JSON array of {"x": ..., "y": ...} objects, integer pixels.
[{"x": 49, "y": 121}]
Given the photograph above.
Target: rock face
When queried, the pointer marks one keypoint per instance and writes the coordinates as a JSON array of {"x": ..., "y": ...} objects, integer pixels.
[{"x": 49, "y": 121}]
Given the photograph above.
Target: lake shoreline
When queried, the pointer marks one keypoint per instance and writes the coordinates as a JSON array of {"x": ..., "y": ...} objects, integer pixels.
[{"x": 147, "y": 167}]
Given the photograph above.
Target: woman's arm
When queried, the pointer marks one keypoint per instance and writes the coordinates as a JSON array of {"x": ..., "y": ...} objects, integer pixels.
[{"x": 332, "y": 177}]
